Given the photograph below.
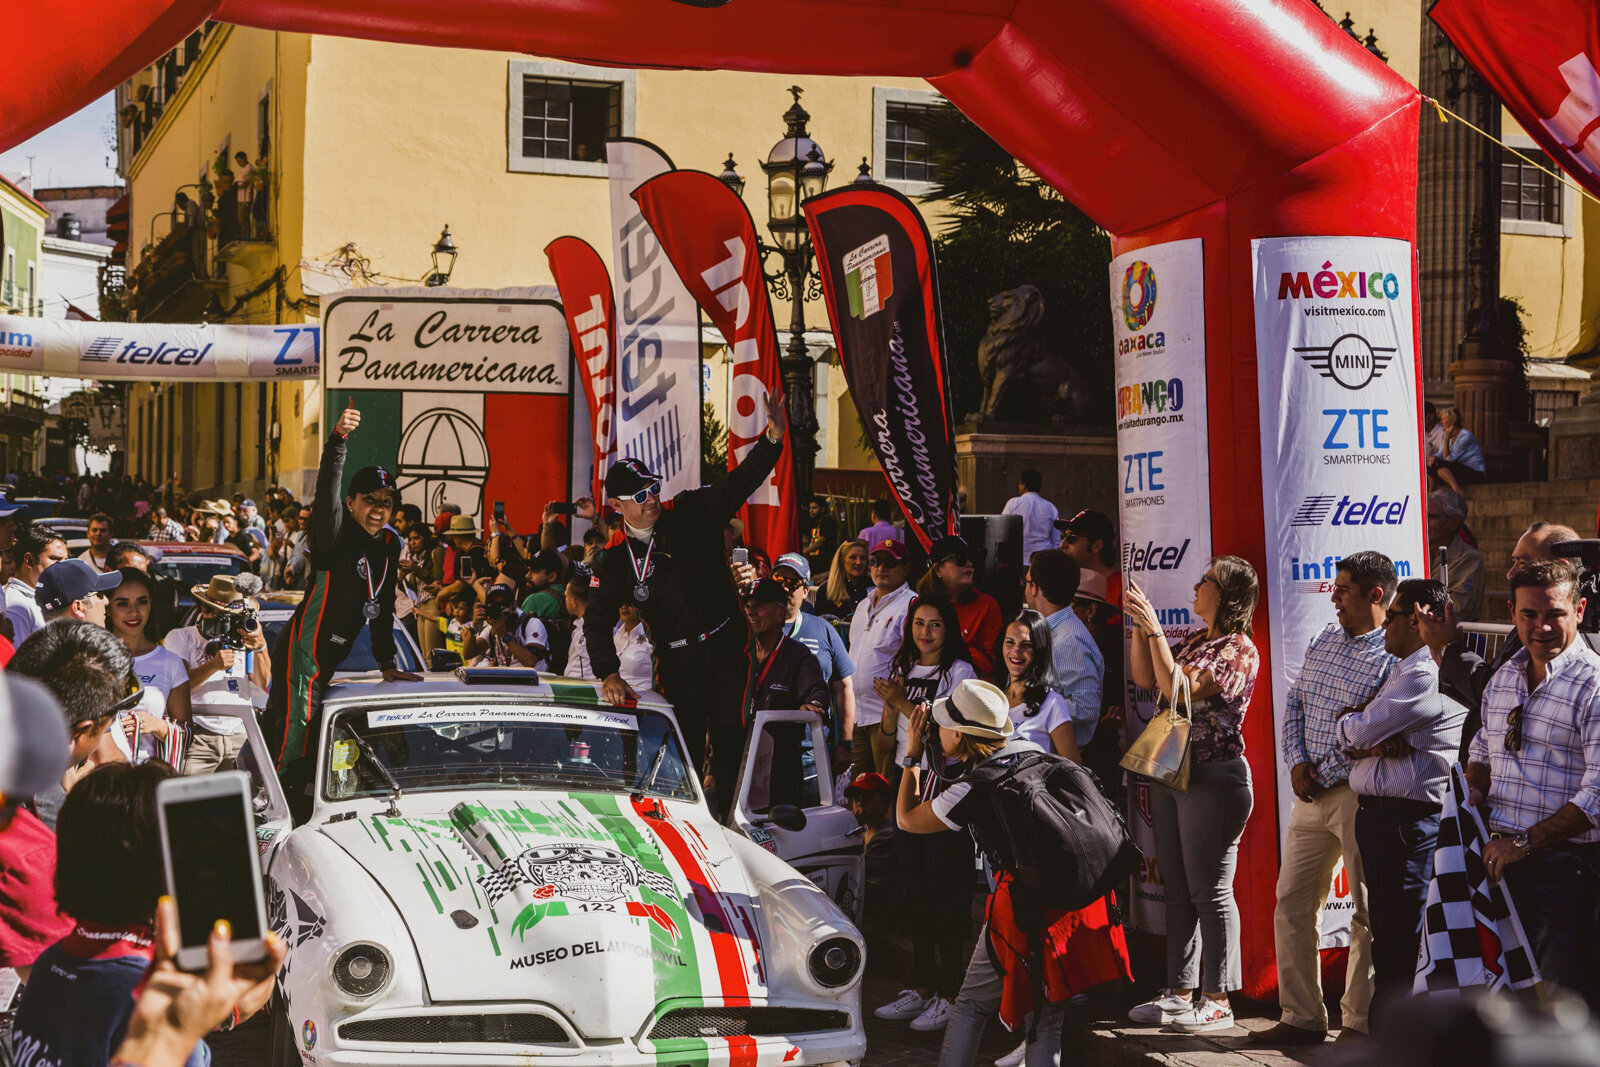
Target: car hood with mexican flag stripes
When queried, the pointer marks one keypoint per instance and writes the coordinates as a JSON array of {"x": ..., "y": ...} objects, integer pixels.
[{"x": 603, "y": 906}]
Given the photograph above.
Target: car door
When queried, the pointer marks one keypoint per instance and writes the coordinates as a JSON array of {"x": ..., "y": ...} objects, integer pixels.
[
  {"x": 786, "y": 763},
  {"x": 267, "y": 801}
]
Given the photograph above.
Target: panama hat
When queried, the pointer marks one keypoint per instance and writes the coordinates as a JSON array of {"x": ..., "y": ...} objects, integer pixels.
[
  {"x": 461, "y": 526},
  {"x": 219, "y": 592},
  {"x": 975, "y": 707}
]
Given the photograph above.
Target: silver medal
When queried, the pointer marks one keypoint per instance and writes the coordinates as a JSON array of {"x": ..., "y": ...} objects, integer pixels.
[
  {"x": 370, "y": 610},
  {"x": 641, "y": 592}
]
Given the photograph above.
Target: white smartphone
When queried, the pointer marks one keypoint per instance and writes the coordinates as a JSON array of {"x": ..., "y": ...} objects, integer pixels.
[{"x": 208, "y": 843}]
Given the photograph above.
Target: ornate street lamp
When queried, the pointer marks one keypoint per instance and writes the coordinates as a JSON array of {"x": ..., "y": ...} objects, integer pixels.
[
  {"x": 797, "y": 169},
  {"x": 444, "y": 260}
]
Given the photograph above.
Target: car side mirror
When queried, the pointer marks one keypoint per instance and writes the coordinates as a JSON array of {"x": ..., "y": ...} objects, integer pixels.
[
  {"x": 787, "y": 817},
  {"x": 443, "y": 660}
]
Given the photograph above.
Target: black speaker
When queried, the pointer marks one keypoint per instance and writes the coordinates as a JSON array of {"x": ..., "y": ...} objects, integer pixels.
[{"x": 996, "y": 542}]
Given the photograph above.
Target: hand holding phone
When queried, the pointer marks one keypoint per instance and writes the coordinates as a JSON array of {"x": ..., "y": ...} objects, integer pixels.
[
  {"x": 208, "y": 847},
  {"x": 499, "y": 511}
]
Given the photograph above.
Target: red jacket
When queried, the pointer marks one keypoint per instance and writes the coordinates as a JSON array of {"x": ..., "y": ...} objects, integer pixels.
[
  {"x": 1082, "y": 949},
  {"x": 981, "y": 628}
]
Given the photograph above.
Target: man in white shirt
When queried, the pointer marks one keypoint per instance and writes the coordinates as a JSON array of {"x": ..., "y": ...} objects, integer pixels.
[
  {"x": 578, "y": 665},
  {"x": 1049, "y": 588},
  {"x": 1038, "y": 514},
  {"x": 220, "y": 678},
  {"x": 34, "y": 551},
  {"x": 875, "y": 634},
  {"x": 1403, "y": 742},
  {"x": 99, "y": 541}
]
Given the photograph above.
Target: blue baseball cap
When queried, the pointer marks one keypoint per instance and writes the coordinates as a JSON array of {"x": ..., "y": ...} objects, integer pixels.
[
  {"x": 795, "y": 562},
  {"x": 71, "y": 579},
  {"x": 8, "y": 510}
]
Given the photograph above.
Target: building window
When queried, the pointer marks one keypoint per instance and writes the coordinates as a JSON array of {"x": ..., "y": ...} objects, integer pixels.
[
  {"x": 1546, "y": 402},
  {"x": 264, "y": 123},
  {"x": 561, "y": 115},
  {"x": 1527, "y": 193},
  {"x": 905, "y": 144}
]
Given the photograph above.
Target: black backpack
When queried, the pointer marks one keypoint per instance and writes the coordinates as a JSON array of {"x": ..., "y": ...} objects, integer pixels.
[{"x": 1044, "y": 819}]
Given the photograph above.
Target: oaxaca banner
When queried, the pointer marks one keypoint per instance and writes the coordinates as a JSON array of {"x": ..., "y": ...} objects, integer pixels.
[
  {"x": 1158, "y": 329},
  {"x": 706, "y": 233},
  {"x": 882, "y": 288},
  {"x": 1340, "y": 442},
  {"x": 1540, "y": 58},
  {"x": 464, "y": 393},
  {"x": 658, "y": 332},
  {"x": 592, "y": 322},
  {"x": 168, "y": 352}
]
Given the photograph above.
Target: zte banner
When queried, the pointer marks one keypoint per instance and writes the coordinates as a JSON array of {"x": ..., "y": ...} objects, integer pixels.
[
  {"x": 165, "y": 352},
  {"x": 657, "y": 332},
  {"x": 706, "y": 233},
  {"x": 592, "y": 321},
  {"x": 1158, "y": 326},
  {"x": 1340, "y": 440},
  {"x": 882, "y": 287},
  {"x": 1540, "y": 57}
]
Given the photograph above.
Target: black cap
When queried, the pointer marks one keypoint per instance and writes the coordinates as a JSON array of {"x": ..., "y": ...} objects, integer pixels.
[
  {"x": 767, "y": 591},
  {"x": 627, "y": 476},
  {"x": 1095, "y": 525},
  {"x": 371, "y": 479},
  {"x": 71, "y": 579},
  {"x": 951, "y": 547}
]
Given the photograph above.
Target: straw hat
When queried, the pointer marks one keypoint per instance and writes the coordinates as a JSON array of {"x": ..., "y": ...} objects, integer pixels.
[
  {"x": 220, "y": 593},
  {"x": 461, "y": 526}
]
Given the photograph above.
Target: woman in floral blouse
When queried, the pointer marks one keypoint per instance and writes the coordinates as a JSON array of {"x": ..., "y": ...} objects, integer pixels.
[{"x": 1197, "y": 831}]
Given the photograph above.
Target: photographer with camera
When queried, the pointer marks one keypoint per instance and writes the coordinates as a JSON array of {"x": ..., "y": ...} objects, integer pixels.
[
  {"x": 502, "y": 636},
  {"x": 226, "y": 656}
]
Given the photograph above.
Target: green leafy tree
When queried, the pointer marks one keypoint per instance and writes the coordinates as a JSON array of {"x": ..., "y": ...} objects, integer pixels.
[
  {"x": 713, "y": 445},
  {"x": 1007, "y": 228}
]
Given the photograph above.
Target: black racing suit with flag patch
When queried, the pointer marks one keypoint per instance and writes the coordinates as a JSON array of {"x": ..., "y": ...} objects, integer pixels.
[
  {"x": 692, "y": 614},
  {"x": 349, "y": 567}
]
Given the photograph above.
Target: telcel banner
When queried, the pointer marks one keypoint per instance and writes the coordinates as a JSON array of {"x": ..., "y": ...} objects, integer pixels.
[
  {"x": 168, "y": 352},
  {"x": 1159, "y": 330},
  {"x": 1340, "y": 440}
]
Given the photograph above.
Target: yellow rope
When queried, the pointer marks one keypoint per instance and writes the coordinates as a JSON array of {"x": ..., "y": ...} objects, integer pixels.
[{"x": 1562, "y": 178}]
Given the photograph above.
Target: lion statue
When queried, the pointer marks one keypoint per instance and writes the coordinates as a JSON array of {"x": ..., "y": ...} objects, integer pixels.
[{"x": 1023, "y": 380}]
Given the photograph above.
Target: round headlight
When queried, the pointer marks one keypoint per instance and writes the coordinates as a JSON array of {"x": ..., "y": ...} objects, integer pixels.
[
  {"x": 361, "y": 970},
  {"x": 835, "y": 962}
]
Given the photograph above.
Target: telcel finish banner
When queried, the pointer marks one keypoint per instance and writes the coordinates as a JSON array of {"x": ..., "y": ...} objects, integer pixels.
[
  {"x": 1158, "y": 328},
  {"x": 168, "y": 352},
  {"x": 1340, "y": 439}
]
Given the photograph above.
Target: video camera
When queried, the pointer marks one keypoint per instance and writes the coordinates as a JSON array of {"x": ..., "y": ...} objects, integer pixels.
[
  {"x": 1587, "y": 553},
  {"x": 229, "y": 626}
]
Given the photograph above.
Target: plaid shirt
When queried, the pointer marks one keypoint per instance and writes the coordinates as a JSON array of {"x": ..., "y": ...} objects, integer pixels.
[
  {"x": 1340, "y": 672},
  {"x": 1559, "y": 761},
  {"x": 168, "y": 531}
]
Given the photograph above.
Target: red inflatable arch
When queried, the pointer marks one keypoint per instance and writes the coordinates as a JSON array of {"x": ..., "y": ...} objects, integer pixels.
[{"x": 1225, "y": 120}]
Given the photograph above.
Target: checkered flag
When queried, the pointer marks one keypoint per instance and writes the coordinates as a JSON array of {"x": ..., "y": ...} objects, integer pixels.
[
  {"x": 1471, "y": 935},
  {"x": 496, "y": 884}
]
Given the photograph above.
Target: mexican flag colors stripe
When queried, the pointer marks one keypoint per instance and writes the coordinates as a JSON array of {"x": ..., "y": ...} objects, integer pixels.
[{"x": 868, "y": 278}]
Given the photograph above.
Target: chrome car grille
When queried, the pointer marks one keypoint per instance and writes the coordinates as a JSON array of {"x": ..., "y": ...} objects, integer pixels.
[
  {"x": 745, "y": 1022},
  {"x": 519, "y": 1029}
]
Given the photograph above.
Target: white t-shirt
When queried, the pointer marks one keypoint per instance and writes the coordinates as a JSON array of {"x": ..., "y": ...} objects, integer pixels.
[
  {"x": 578, "y": 665},
  {"x": 97, "y": 562},
  {"x": 875, "y": 633},
  {"x": 531, "y": 634},
  {"x": 160, "y": 671},
  {"x": 23, "y": 611},
  {"x": 1038, "y": 523},
  {"x": 633, "y": 656},
  {"x": 230, "y": 688},
  {"x": 1052, "y": 713},
  {"x": 924, "y": 685}
]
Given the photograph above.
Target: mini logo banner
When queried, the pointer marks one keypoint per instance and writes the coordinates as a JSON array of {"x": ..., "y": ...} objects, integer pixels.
[
  {"x": 882, "y": 288},
  {"x": 592, "y": 322},
  {"x": 706, "y": 233}
]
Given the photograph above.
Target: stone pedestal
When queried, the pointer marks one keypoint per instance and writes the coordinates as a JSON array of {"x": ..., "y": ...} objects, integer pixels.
[
  {"x": 1079, "y": 468},
  {"x": 1575, "y": 442},
  {"x": 1484, "y": 390}
]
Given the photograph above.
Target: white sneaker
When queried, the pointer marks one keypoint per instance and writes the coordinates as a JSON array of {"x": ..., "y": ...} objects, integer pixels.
[
  {"x": 934, "y": 1016},
  {"x": 908, "y": 1005},
  {"x": 1165, "y": 1008},
  {"x": 1015, "y": 1058},
  {"x": 1205, "y": 1016}
]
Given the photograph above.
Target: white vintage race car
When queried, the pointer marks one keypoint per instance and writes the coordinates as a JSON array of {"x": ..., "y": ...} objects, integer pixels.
[{"x": 498, "y": 868}]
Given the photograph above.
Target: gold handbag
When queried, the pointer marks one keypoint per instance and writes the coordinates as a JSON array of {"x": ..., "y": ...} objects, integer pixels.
[{"x": 1162, "y": 751}]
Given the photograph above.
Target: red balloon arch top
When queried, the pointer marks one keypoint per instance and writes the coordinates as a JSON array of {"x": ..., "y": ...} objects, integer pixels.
[{"x": 1177, "y": 103}]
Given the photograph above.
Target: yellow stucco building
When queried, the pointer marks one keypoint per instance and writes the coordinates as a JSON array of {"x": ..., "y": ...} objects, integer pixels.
[{"x": 358, "y": 153}]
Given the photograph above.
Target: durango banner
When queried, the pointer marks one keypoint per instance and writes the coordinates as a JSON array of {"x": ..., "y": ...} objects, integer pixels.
[
  {"x": 592, "y": 321},
  {"x": 658, "y": 332},
  {"x": 1540, "y": 57},
  {"x": 706, "y": 233},
  {"x": 169, "y": 352},
  {"x": 882, "y": 287}
]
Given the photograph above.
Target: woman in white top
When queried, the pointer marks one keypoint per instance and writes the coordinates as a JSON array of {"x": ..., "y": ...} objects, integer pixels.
[
  {"x": 633, "y": 650},
  {"x": 1039, "y": 713},
  {"x": 160, "y": 725},
  {"x": 932, "y": 660}
]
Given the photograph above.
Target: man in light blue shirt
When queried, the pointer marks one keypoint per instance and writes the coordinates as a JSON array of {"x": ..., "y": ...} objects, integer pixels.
[{"x": 1051, "y": 584}]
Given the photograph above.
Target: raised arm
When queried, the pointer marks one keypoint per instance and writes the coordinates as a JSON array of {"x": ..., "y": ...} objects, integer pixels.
[
  {"x": 723, "y": 499},
  {"x": 327, "y": 510}
]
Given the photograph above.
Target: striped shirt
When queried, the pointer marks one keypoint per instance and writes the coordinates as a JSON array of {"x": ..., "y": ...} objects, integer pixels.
[
  {"x": 1340, "y": 671},
  {"x": 1559, "y": 759},
  {"x": 1408, "y": 703}
]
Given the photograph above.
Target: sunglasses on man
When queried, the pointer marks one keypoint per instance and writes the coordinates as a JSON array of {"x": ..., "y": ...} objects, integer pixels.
[{"x": 653, "y": 489}]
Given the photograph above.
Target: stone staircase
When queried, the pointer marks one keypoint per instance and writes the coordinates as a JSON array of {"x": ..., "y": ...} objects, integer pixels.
[{"x": 1498, "y": 514}]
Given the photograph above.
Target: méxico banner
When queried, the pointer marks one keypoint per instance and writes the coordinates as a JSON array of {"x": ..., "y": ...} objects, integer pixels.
[
  {"x": 592, "y": 322},
  {"x": 464, "y": 393},
  {"x": 882, "y": 287},
  {"x": 705, "y": 231},
  {"x": 168, "y": 352},
  {"x": 658, "y": 333},
  {"x": 1540, "y": 58},
  {"x": 1340, "y": 442},
  {"x": 1158, "y": 330}
]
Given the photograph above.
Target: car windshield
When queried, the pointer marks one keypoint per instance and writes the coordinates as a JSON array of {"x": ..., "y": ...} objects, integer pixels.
[
  {"x": 360, "y": 658},
  {"x": 504, "y": 746},
  {"x": 194, "y": 570}
]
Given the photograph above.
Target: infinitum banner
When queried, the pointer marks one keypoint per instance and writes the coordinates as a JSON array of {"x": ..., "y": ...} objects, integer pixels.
[{"x": 1159, "y": 331}]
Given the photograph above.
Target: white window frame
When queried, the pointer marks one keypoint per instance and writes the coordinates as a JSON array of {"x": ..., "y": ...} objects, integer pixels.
[
  {"x": 518, "y": 69},
  {"x": 1569, "y": 201},
  {"x": 882, "y": 97}
]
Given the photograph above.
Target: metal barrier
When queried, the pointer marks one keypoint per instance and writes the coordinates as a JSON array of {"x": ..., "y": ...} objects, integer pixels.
[{"x": 1486, "y": 638}]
